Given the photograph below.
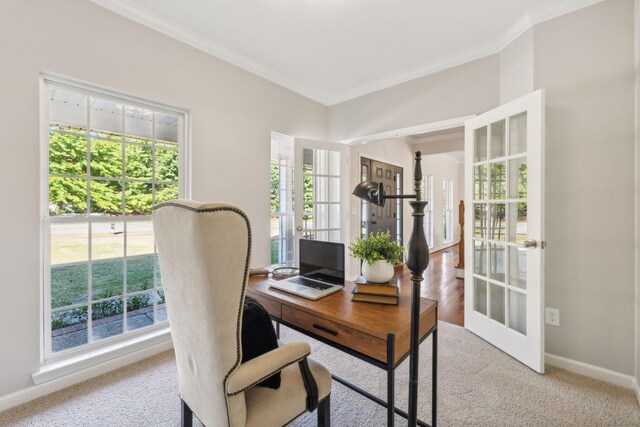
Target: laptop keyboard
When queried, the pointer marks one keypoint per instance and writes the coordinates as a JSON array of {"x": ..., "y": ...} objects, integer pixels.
[{"x": 310, "y": 283}]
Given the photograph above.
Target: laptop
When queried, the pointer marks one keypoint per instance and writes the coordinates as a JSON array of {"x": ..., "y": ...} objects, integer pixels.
[{"x": 321, "y": 270}]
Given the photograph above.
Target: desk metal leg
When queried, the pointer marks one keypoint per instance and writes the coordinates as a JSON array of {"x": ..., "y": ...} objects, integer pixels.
[
  {"x": 434, "y": 377},
  {"x": 391, "y": 379},
  {"x": 277, "y": 329}
]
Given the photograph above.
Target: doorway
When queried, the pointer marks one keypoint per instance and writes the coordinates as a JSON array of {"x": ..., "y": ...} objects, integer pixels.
[{"x": 376, "y": 219}]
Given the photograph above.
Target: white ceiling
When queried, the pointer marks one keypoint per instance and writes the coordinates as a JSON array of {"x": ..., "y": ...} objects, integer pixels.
[{"x": 334, "y": 50}]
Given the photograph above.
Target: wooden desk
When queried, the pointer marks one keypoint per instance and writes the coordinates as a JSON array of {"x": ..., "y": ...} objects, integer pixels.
[{"x": 375, "y": 333}]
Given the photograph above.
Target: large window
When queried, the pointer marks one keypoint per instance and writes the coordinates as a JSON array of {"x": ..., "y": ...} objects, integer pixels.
[
  {"x": 110, "y": 159},
  {"x": 282, "y": 214},
  {"x": 447, "y": 211},
  {"x": 427, "y": 191}
]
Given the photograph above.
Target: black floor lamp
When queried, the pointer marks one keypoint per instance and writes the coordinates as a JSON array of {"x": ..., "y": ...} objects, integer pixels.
[{"x": 417, "y": 261}]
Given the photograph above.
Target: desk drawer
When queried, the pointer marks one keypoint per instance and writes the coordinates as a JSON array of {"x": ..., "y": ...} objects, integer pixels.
[
  {"x": 273, "y": 308},
  {"x": 356, "y": 340}
]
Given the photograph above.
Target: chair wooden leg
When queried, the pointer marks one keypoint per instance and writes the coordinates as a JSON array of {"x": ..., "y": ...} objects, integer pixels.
[
  {"x": 186, "y": 415},
  {"x": 324, "y": 412}
]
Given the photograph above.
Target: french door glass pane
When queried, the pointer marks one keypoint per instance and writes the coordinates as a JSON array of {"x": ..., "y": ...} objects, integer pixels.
[
  {"x": 517, "y": 222},
  {"x": 498, "y": 139},
  {"x": 497, "y": 262},
  {"x": 497, "y": 221},
  {"x": 518, "y": 312},
  {"x": 480, "y": 220},
  {"x": 518, "y": 134},
  {"x": 334, "y": 189},
  {"x": 498, "y": 176},
  {"x": 334, "y": 163},
  {"x": 480, "y": 295},
  {"x": 322, "y": 216},
  {"x": 518, "y": 178},
  {"x": 496, "y": 302},
  {"x": 480, "y": 182},
  {"x": 480, "y": 145},
  {"x": 480, "y": 258},
  {"x": 518, "y": 267}
]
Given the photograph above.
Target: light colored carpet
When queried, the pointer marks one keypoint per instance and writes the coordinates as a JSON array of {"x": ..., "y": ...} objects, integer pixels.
[{"x": 478, "y": 385}]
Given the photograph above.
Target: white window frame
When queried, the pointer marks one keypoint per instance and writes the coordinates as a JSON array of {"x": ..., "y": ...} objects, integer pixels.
[
  {"x": 447, "y": 210},
  {"x": 135, "y": 338},
  {"x": 284, "y": 142}
]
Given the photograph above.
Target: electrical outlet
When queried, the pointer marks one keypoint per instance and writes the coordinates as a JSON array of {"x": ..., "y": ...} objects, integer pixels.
[{"x": 552, "y": 316}]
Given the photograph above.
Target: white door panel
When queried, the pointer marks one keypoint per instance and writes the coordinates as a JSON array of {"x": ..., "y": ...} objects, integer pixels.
[
  {"x": 320, "y": 191},
  {"x": 504, "y": 184}
]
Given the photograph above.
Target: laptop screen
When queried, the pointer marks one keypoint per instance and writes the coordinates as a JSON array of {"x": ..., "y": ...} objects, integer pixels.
[{"x": 323, "y": 261}]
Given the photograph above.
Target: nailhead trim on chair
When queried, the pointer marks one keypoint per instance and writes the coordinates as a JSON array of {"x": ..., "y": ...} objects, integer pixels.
[
  {"x": 268, "y": 375},
  {"x": 244, "y": 282}
]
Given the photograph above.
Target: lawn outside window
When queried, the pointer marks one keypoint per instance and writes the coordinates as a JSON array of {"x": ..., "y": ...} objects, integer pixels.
[{"x": 111, "y": 158}]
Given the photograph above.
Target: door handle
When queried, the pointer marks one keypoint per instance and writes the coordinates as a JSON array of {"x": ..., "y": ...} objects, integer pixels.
[
  {"x": 530, "y": 243},
  {"x": 299, "y": 228}
]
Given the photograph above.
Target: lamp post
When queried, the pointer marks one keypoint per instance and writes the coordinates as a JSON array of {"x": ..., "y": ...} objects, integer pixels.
[{"x": 417, "y": 262}]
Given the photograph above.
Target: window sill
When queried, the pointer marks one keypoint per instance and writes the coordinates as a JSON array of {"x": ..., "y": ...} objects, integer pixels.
[{"x": 127, "y": 351}]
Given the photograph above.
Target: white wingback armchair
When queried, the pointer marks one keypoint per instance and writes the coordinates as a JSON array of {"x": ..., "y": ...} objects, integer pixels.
[{"x": 204, "y": 251}]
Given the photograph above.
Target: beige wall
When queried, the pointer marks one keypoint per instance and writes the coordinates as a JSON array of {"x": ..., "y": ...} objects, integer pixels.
[
  {"x": 516, "y": 68},
  {"x": 471, "y": 88},
  {"x": 584, "y": 61},
  {"x": 232, "y": 111}
]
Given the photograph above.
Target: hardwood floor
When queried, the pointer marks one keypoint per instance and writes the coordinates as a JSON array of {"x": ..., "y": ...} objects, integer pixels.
[{"x": 441, "y": 284}]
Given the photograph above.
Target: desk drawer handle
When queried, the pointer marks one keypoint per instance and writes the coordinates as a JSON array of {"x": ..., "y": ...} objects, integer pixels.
[{"x": 325, "y": 329}]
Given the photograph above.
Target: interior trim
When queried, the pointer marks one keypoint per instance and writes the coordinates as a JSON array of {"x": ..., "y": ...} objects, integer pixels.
[
  {"x": 154, "y": 21},
  {"x": 81, "y": 374},
  {"x": 592, "y": 371}
]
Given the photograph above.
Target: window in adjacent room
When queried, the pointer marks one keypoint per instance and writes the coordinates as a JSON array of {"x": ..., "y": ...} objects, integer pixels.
[
  {"x": 427, "y": 188},
  {"x": 109, "y": 160},
  {"x": 282, "y": 213},
  {"x": 447, "y": 211}
]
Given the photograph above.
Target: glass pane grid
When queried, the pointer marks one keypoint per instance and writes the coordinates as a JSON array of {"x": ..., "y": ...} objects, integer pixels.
[{"x": 97, "y": 312}]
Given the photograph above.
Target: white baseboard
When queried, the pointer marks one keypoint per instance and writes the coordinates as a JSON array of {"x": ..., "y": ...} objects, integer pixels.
[
  {"x": 35, "y": 391},
  {"x": 636, "y": 389},
  {"x": 593, "y": 371}
]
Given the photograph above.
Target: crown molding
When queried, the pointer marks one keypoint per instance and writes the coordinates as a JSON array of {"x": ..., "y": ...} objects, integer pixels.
[
  {"x": 409, "y": 131},
  {"x": 169, "y": 28},
  {"x": 156, "y": 22}
]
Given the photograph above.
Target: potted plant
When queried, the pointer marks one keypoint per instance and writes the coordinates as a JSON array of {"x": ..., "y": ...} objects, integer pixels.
[{"x": 379, "y": 254}]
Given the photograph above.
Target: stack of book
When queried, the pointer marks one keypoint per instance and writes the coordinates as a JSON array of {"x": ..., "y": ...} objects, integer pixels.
[{"x": 381, "y": 294}]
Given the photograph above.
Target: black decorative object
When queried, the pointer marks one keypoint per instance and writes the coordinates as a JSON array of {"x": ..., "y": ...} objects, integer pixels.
[
  {"x": 417, "y": 262},
  {"x": 258, "y": 337}
]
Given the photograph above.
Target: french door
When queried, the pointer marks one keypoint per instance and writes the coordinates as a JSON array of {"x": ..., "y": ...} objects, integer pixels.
[
  {"x": 320, "y": 190},
  {"x": 504, "y": 184}
]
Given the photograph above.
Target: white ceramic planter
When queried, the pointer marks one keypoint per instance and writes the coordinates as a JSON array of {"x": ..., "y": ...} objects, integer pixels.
[{"x": 378, "y": 272}]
